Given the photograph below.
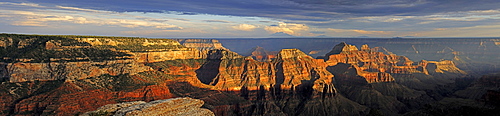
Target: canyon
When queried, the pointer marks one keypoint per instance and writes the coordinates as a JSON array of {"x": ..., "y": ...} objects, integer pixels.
[{"x": 71, "y": 75}]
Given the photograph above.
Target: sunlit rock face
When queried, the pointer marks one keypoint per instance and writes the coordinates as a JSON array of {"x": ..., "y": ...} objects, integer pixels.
[
  {"x": 373, "y": 78},
  {"x": 71, "y": 98},
  {"x": 151, "y": 50},
  {"x": 228, "y": 71},
  {"x": 72, "y": 58},
  {"x": 202, "y": 44},
  {"x": 261, "y": 54},
  {"x": 352, "y": 81},
  {"x": 376, "y": 66},
  {"x": 69, "y": 71},
  {"x": 469, "y": 54},
  {"x": 183, "y": 106}
]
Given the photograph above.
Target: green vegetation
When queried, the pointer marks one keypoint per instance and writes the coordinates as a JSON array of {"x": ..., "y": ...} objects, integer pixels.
[
  {"x": 123, "y": 82},
  {"x": 137, "y": 44},
  {"x": 32, "y": 48},
  {"x": 101, "y": 113}
]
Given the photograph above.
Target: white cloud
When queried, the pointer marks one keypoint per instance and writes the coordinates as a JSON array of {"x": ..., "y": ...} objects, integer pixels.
[
  {"x": 58, "y": 14},
  {"x": 288, "y": 28},
  {"x": 245, "y": 27},
  {"x": 21, "y": 4},
  {"x": 357, "y": 32},
  {"x": 80, "y": 9}
]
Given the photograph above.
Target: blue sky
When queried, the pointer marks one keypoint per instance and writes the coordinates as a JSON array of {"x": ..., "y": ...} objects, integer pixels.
[{"x": 253, "y": 18}]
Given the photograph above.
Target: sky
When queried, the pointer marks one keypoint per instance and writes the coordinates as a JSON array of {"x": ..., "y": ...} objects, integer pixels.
[{"x": 253, "y": 18}]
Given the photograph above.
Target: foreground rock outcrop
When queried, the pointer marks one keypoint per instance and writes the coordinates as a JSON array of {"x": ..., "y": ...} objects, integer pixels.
[{"x": 169, "y": 107}]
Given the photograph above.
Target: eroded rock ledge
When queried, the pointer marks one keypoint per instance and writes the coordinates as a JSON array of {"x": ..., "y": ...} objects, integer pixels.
[{"x": 183, "y": 106}]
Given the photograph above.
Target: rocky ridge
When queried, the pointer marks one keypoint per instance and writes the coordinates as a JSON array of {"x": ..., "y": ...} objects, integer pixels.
[
  {"x": 376, "y": 66},
  {"x": 76, "y": 58},
  {"x": 182, "y": 106},
  {"x": 201, "y": 44},
  {"x": 292, "y": 83},
  {"x": 261, "y": 54},
  {"x": 226, "y": 70}
]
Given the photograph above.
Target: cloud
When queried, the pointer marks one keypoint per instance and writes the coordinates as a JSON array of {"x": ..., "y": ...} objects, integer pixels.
[
  {"x": 80, "y": 9},
  {"x": 317, "y": 32},
  {"x": 20, "y": 4},
  {"x": 217, "y": 21},
  {"x": 288, "y": 28},
  {"x": 244, "y": 27},
  {"x": 358, "y": 31},
  {"x": 48, "y": 16},
  {"x": 29, "y": 23},
  {"x": 374, "y": 17}
]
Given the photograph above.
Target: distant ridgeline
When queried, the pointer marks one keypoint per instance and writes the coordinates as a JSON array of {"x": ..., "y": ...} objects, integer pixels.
[
  {"x": 478, "y": 55},
  {"x": 71, "y": 75}
]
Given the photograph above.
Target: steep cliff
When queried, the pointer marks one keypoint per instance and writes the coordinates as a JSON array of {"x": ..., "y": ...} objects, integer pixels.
[
  {"x": 371, "y": 65},
  {"x": 31, "y": 57},
  {"x": 69, "y": 71},
  {"x": 147, "y": 50},
  {"x": 291, "y": 84},
  {"x": 70, "y": 98},
  {"x": 202, "y": 44},
  {"x": 388, "y": 82},
  {"x": 261, "y": 54},
  {"x": 376, "y": 66},
  {"x": 479, "y": 88},
  {"x": 76, "y": 74},
  {"x": 226, "y": 70}
]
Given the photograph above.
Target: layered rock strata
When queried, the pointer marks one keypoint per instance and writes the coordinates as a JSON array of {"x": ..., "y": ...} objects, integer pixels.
[
  {"x": 260, "y": 54},
  {"x": 376, "y": 66},
  {"x": 183, "y": 106},
  {"x": 202, "y": 44},
  {"x": 69, "y": 71},
  {"x": 71, "y": 58},
  {"x": 227, "y": 70},
  {"x": 149, "y": 50}
]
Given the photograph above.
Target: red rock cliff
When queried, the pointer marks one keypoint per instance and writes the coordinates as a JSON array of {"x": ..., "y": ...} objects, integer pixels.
[
  {"x": 226, "y": 70},
  {"x": 376, "y": 66}
]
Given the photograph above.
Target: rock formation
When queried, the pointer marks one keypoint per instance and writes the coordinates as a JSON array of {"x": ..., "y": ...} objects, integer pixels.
[
  {"x": 479, "y": 88},
  {"x": 369, "y": 77},
  {"x": 183, "y": 106},
  {"x": 70, "y": 71},
  {"x": 377, "y": 67},
  {"x": 202, "y": 44},
  {"x": 226, "y": 70},
  {"x": 260, "y": 54},
  {"x": 77, "y": 74},
  {"x": 76, "y": 58}
]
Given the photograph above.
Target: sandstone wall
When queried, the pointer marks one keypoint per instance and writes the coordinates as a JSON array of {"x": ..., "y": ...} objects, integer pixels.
[
  {"x": 228, "y": 71},
  {"x": 21, "y": 72},
  {"x": 376, "y": 66}
]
